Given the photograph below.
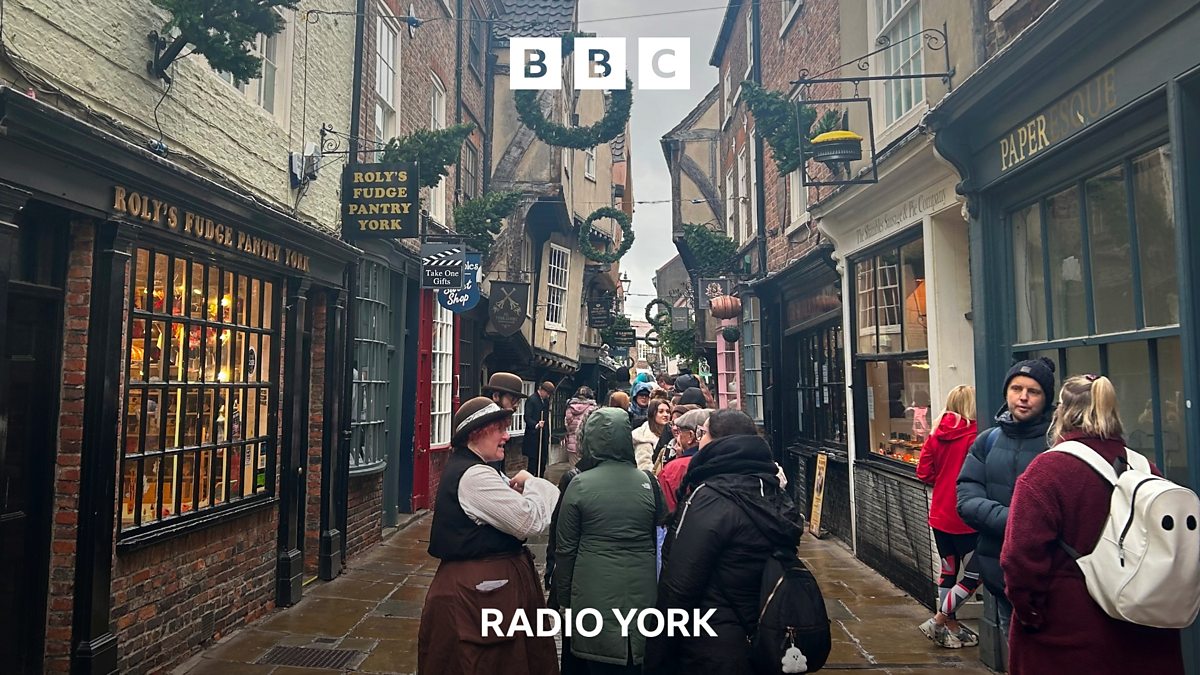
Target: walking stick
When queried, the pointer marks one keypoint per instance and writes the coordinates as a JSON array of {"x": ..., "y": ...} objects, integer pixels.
[{"x": 541, "y": 444}]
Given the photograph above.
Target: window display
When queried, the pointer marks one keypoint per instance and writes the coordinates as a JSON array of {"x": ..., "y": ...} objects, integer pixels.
[
  {"x": 200, "y": 388},
  {"x": 892, "y": 351}
]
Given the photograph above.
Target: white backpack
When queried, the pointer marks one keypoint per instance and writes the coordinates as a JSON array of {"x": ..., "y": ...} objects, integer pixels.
[{"x": 1146, "y": 567}]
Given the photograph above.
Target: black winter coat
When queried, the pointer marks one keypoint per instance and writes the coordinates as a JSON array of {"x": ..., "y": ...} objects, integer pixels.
[
  {"x": 985, "y": 486},
  {"x": 722, "y": 538}
]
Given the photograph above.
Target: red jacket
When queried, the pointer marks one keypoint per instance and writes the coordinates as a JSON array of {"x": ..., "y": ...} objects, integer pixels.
[
  {"x": 1057, "y": 627},
  {"x": 941, "y": 461},
  {"x": 671, "y": 476}
]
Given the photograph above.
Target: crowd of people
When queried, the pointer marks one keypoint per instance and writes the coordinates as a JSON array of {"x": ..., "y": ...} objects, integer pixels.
[{"x": 671, "y": 503}]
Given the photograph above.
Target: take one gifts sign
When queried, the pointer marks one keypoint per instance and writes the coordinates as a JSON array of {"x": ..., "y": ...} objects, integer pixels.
[{"x": 464, "y": 299}]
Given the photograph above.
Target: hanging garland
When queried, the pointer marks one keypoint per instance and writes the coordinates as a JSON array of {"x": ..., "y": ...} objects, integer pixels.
[
  {"x": 585, "y": 240},
  {"x": 778, "y": 120},
  {"x": 654, "y": 319},
  {"x": 616, "y": 117}
]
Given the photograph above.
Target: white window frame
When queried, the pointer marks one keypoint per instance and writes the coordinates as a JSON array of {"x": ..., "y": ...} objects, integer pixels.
[
  {"x": 894, "y": 19},
  {"x": 437, "y": 121},
  {"x": 749, "y": 40},
  {"x": 752, "y": 168},
  {"x": 387, "y": 59},
  {"x": 448, "y": 7},
  {"x": 589, "y": 164},
  {"x": 516, "y": 426},
  {"x": 441, "y": 378},
  {"x": 558, "y": 282},
  {"x": 730, "y": 205},
  {"x": 790, "y": 10},
  {"x": 743, "y": 196},
  {"x": 798, "y": 215},
  {"x": 752, "y": 358},
  {"x": 727, "y": 99},
  {"x": 254, "y": 91}
]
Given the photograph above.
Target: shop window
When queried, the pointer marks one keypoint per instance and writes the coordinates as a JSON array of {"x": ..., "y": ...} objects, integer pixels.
[
  {"x": 898, "y": 20},
  {"x": 557, "y": 281},
  {"x": 198, "y": 430},
  {"x": 821, "y": 385},
  {"x": 891, "y": 358},
  {"x": 372, "y": 339},
  {"x": 752, "y": 341},
  {"x": 1108, "y": 245},
  {"x": 516, "y": 426},
  {"x": 442, "y": 377}
]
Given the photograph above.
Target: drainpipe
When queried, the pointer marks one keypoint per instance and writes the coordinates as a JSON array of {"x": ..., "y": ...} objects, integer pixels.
[
  {"x": 760, "y": 196},
  {"x": 360, "y": 31},
  {"x": 458, "y": 88}
]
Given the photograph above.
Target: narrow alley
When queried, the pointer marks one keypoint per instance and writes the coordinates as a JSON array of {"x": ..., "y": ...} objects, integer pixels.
[{"x": 366, "y": 620}]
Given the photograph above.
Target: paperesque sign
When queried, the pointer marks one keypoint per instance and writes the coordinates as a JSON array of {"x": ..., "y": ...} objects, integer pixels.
[{"x": 380, "y": 201}]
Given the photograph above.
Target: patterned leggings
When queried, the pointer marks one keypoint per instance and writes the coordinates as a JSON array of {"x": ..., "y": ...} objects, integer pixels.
[{"x": 953, "y": 550}]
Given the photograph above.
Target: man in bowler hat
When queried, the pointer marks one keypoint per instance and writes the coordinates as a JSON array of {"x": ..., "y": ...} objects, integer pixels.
[{"x": 536, "y": 443}]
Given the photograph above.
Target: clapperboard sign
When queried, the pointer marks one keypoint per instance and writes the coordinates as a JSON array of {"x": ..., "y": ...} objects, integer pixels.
[
  {"x": 624, "y": 338},
  {"x": 442, "y": 265},
  {"x": 380, "y": 201}
]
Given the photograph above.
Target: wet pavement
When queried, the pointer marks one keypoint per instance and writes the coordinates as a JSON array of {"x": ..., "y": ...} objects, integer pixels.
[{"x": 372, "y": 611}]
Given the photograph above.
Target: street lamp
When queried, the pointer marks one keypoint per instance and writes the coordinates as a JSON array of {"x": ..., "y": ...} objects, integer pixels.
[{"x": 625, "y": 281}]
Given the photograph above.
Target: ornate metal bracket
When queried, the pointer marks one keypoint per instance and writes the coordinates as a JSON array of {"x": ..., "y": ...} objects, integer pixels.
[{"x": 935, "y": 40}]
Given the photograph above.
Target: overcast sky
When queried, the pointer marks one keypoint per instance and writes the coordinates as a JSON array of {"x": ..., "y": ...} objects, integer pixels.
[{"x": 654, "y": 114}]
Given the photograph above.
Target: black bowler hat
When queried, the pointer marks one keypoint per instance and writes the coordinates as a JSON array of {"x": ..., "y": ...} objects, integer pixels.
[
  {"x": 475, "y": 414},
  {"x": 505, "y": 383}
]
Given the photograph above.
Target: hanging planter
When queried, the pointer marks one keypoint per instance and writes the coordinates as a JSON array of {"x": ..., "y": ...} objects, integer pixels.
[
  {"x": 837, "y": 146},
  {"x": 585, "y": 238},
  {"x": 725, "y": 307},
  {"x": 731, "y": 333}
]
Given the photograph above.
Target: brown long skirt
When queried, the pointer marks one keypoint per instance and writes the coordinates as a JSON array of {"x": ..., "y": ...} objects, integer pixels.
[{"x": 451, "y": 640}]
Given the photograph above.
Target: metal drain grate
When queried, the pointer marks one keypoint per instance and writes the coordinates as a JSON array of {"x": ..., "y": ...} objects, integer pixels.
[{"x": 309, "y": 657}]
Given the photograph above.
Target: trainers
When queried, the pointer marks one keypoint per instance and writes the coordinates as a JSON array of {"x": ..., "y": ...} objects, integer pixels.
[
  {"x": 929, "y": 628},
  {"x": 940, "y": 635},
  {"x": 967, "y": 637}
]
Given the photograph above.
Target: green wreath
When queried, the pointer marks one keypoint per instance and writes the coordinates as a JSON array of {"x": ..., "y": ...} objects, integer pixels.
[
  {"x": 585, "y": 241},
  {"x": 616, "y": 117},
  {"x": 653, "y": 319}
]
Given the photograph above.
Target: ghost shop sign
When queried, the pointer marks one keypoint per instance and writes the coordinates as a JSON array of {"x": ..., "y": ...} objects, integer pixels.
[
  {"x": 167, "y": 216},
  {"x": 380, "y": 201}
]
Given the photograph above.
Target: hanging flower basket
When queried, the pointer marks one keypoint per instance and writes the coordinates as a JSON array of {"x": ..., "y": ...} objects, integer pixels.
[
  {"x": 837, "y": 146},
  {"x": 731, "y": 333},
  {"x": 725, "y": 307}
]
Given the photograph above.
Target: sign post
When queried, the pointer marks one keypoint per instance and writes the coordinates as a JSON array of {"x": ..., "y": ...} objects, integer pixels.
[{"x": 814, "y": 520}]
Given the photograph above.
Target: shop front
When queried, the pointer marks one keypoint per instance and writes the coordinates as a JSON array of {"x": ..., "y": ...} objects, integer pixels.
[
  {"x": 901, "y": 248},
  {"x": 167, "y": 347},
  {"x": 809, "y": 398},
  {"x": 1082, "y": 191}
]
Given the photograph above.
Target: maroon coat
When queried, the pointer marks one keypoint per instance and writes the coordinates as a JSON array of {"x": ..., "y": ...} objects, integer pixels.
[{"x": 1057, "y": 627}]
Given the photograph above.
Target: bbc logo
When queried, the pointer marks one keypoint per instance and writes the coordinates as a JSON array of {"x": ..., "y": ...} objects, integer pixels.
[{"x": 600, "y": 63}]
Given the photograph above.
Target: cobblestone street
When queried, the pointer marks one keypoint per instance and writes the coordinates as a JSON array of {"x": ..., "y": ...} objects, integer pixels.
[{"x": 373, "y": 612}]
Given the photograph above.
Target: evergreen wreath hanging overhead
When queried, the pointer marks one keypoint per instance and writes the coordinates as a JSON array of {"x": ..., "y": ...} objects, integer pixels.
[
  {"x": 616, "y": 117},
  {"x": 222, "y": 30},
  {"x": 662, "y": 320},
  {"x": 479, "y": 220},
  {"x": 432, "y": 151},
  {"x": 585, "y": 239}
]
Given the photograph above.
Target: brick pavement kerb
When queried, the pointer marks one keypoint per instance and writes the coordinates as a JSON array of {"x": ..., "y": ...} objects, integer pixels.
[{"x": 374, "y": 609}]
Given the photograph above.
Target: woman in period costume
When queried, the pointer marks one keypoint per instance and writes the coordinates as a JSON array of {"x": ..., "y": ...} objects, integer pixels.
[{"x": 480, "y": 522}]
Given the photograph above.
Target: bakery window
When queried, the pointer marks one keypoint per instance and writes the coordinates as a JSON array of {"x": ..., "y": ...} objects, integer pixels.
[
  {"x": 891, "y": 356},
  {"x": 200, "y": 389}
]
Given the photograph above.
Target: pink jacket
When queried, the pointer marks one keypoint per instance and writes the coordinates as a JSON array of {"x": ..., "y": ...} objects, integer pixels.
[{"x": 577, "y": 412}]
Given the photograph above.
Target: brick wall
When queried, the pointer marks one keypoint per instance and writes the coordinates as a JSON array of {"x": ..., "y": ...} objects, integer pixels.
[
  {"x": 64, "y": 528},
  {"x": 316, "y": 428},
  {"x": 893, "y": 530},
  {"x": 364, "y": 520},
  {"x": 1018, "y": 18},
  {"x": 171, "y": 599}
]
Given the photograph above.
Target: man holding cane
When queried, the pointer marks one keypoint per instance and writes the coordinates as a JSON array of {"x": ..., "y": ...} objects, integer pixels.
[{"x": 536, "y": 444}]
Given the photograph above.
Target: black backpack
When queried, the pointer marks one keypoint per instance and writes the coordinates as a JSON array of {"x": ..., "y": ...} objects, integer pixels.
[{"x": 793, "y": 627}]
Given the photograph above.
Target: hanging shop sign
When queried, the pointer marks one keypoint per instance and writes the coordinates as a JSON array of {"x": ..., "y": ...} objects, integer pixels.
[
  {"x": 464, "y": 299},
  {"x": 600, "y": 313},
  {"x": 167, "y": 216},
  {"x": 712, "y": 288},
  {"x": 380, "y": 201},
  {"x": 442, "y": 266},
  {"x": 624, "y": 338},
  {"x": 509, "y": 304},
  {"x": 681, "y": 318}
]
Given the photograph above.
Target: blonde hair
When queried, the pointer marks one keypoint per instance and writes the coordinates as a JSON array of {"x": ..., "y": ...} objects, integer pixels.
[
  {"x": 960, "y": 403},
  {"x": 1087, "y": 403}
]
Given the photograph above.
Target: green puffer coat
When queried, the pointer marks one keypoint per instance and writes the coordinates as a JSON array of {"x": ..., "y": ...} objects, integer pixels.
[{"x": 606, "y": 540}]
